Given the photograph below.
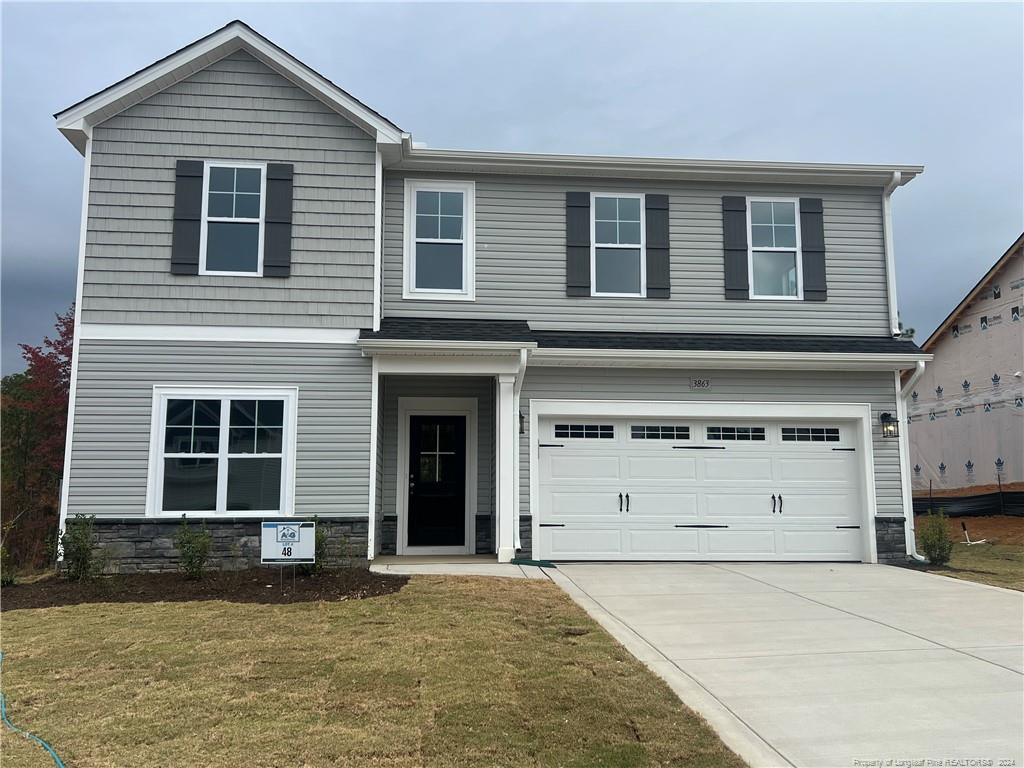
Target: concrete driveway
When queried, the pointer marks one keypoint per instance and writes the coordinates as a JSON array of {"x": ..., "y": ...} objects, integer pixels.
[{"x": 825, "y": 664}]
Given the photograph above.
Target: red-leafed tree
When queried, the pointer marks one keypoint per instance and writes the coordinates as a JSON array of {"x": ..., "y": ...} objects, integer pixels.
[{"x": 34, "y": 422}]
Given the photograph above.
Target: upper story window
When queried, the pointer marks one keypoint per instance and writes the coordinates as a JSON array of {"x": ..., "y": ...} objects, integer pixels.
[
  {"x": 232, "y": 232},
  {"x": 775, "y": 265},
  {"x": 439, "y": 240},
  {"x": 617, "y": 265}
]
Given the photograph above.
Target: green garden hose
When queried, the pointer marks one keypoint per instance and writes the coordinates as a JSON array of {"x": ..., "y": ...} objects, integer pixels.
[{"x": 21, "y": 732}]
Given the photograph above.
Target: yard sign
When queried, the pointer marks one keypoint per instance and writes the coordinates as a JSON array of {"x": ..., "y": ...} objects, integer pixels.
[{"x": 288, "y": 543}]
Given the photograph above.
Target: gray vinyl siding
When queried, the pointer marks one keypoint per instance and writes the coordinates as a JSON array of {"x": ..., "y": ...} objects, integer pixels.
[
  {"x": 877, "y": 389},
  {"x": 520, "y": 262},
  {"x": 235, "y": 109},
  {"x": 113, "y": 407},
  {"x": 394, "y": 387}
]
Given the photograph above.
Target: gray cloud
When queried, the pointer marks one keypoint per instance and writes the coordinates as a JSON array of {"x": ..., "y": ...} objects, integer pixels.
[{"x": 938, "y": 84}]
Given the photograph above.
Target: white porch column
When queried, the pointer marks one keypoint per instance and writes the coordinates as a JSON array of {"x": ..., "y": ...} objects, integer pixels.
[{"x": 506, "y": 446}]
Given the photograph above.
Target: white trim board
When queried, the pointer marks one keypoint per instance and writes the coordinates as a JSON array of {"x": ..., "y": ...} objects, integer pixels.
[
  {"x": 223, "y": 333},
  {"x": 65, "y": 483},
  {"x": 860, "y": 413},
  {"x": 436, "y": 406}
]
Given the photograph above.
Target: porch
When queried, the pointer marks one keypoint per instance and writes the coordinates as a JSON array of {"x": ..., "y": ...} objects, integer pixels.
[{"x": 444, "y": 450}]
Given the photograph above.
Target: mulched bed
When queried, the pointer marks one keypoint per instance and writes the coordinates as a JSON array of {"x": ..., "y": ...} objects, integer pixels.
[{"x": 262, "y": 585}]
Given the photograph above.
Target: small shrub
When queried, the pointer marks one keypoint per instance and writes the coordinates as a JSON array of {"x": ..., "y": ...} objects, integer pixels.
[
  {"x": 193, "y": 544},
  {"x": 933, "y": 537},
  {"x": 320, "y": 548},
  {"x": 7, "y": 577},
  {"x": 81, "y": 562}
]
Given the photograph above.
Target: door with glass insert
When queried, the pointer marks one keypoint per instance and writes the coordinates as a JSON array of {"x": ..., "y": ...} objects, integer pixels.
[{"x": 437, "y": 482}]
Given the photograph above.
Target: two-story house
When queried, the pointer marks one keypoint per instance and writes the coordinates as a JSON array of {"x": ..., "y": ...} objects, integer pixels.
[{"x": 288, "y": 309}]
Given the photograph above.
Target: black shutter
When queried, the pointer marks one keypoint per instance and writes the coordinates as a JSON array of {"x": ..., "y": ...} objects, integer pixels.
[
  {"x": 277, "y": 228},
  {"x": 659, "y": 283},
  {"x": 577, "y": 243},
  {"x": 188, "y": 217},
  {"x": 734, "y": 235},
  {"x": 812, "y": 244}
]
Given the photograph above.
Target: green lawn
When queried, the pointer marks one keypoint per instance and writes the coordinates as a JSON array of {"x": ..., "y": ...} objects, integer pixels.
[
  {"x": 445, "y": 672},
  {"x": 1001, "y": 565},
  {"x": 999, "y": 561}
]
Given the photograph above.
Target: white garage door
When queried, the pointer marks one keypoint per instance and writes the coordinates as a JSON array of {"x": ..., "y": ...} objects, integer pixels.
[{"x": 671, "y": 489}]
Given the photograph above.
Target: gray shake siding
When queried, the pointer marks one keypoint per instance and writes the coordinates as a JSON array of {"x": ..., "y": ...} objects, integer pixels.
[
  {"x": 394, "y": 387},
  {"x": 520, "y": 262},
  {"x": 235, "y": 109},
  {"x": 878, "y": 389},
  {"x": 113, "y": 408}
]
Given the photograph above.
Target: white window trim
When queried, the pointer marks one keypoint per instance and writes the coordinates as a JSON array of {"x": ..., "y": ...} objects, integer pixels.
[
  {"x": 155, "y": 479},
  {"x": 409, "y": 289},
  {"x": 799, "y": 252},
  {"x": 594, "y": 244},
  {"x": 207, "y": 165}
]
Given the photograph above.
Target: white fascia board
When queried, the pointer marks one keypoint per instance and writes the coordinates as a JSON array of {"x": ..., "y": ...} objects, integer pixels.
[
  {"x": 204, "y": 52},
  {"x": 455, "y": 160},
  {"x": 218, "y": 333},
  {"x": 441, "y": 347},
  {"x": 716, "y": 359}
]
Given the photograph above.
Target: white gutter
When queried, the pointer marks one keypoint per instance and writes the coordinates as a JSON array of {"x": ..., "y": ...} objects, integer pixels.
[
  {"x": 720, "y": 359},
  {"x": 908, "y": 496},
  {"x": 441, "y": 345},
  {"x": 890, "y": 256}
]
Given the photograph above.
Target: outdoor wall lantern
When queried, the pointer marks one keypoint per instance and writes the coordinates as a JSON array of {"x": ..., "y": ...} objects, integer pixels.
[
  {"x": 522, "y": 423},
  {"x": 890, "y": 426}
]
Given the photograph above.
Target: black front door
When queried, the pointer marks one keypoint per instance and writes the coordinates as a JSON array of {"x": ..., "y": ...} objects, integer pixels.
[{"x": 437, "y": 481}]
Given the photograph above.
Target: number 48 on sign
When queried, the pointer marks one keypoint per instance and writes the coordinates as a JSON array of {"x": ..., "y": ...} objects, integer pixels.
[{"x": 288, "y": 543}]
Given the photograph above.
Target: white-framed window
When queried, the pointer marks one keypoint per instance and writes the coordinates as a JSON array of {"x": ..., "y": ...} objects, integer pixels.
[
  {"x": 773, "y": 258},
  {"x": 439, "y": 247},
  {"x": 234, "y": 202},
  {"x": 618, "y": 266},
  {"x": 222, "y": 451}
]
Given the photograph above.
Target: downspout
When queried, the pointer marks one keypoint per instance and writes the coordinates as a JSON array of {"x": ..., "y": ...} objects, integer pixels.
[
  {"x": 516, "y": 389},
  {"x": 890, "y": 257},
  {"x": 908, "y": 497}
]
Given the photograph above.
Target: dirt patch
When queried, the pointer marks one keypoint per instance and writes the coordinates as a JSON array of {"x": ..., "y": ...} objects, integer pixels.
[
  {"x": 971, "y": 490},
  {"x": 262, "y": 585},
  {"x": 997, "y": 529}
]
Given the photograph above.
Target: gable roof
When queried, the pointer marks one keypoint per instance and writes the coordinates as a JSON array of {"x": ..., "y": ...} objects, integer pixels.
[
  {"x": 76, "y": 121},
  {"x": 1018, "y": 245}
]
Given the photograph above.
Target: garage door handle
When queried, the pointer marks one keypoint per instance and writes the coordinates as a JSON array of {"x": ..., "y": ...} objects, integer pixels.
[
  {"x": 552, "y": 525},
  {"x": 620, "y": 502},
  {"x": 627, "y": 502},
  {"x": 773, "y": 503},
  {"x": 847, "y": 527},
  {"x": 780, "y": 503}
]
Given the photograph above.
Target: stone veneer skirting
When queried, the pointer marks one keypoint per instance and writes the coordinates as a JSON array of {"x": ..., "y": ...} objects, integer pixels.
[
  {"x": 891, "y": 538},
  {"x": 129, "y": 545},
  {"x": 484, "y": 535}
]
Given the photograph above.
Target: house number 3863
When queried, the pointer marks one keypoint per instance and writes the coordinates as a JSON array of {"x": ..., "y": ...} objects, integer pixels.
[{"x": 700, "y": 383}]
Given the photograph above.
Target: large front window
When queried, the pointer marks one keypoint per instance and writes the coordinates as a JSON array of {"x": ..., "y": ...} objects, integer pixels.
[
  {"x": 618, "y": 267},
  {"x": 775, "y": 266},
  {"x": 223, "y": 453},
  {"x": 232, "y": 236},
  {"x": 439, "y": 240}
]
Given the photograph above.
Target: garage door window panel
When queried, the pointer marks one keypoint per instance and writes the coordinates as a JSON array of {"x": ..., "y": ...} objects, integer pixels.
[
  {"x": 743, "y": 434},
  {"x": 585, "y": 431},
  {"x": 659, "y": 432},
  {"x": 810, "y": 434}
]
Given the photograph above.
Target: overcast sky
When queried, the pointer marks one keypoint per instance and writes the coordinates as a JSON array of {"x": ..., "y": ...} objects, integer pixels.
[{"x": 936, "y": 84}]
